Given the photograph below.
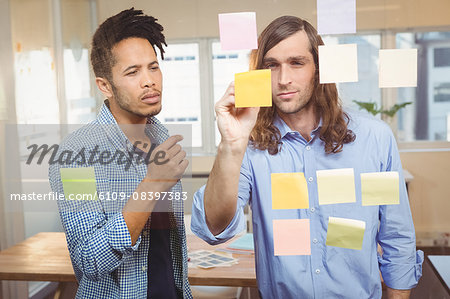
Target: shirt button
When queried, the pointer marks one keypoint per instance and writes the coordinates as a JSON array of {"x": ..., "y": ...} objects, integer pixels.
[
  {"x": 317, "y": 271},
  {"x": 314, "y": 240},
  {"x": 310, "y": 179},
  {"x": 312, "y": 210},
  {"x": 308, "y": 148},
  {"x": 144, "y": 268}
]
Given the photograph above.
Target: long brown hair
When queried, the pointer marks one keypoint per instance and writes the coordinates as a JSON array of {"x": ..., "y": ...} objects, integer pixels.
[{"x": 334, "y": 132}]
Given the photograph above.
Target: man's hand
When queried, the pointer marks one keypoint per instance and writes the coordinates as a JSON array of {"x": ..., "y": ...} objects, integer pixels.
[
  {"x": 398, "y": 294},
  {"x": 235, "y": 124},
  {"x": 167, "y": 165}
]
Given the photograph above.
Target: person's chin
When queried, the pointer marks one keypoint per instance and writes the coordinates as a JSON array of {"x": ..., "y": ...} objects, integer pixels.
[
  {"x": 286, "y": 106},
  {"x": 154, "y": 110}
]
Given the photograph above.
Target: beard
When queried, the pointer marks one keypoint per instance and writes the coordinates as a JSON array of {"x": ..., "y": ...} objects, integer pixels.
[
  {"x": 303, "y": 100},
  {"x": 125, "y": 103}
]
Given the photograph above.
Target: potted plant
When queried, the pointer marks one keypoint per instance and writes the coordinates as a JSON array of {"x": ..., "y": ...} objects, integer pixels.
[{"x": 386, "y": 115}]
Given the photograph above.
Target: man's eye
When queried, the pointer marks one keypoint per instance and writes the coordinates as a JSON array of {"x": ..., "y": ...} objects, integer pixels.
[
  {"x": 270, "y": 66},
  {"x": 297, "y": 63},
  {"x": 154, "y": 68},
  {"x": 132, "y": 73}
]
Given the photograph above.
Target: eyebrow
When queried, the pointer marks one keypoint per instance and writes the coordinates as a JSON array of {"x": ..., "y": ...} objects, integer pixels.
[
  {"x": 136, "y": 66},
  {"x": 299, "y": 57}
]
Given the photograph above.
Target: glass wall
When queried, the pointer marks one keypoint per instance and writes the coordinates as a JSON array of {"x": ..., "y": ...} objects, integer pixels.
[{"x": 428, "y": 117}]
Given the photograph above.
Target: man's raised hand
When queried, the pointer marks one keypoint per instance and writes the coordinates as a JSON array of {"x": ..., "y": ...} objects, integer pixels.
[{"x": 235, "y": 124}]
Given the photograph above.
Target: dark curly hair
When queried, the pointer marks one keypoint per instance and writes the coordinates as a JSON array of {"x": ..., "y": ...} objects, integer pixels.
[{"x": 126, "y": 24}]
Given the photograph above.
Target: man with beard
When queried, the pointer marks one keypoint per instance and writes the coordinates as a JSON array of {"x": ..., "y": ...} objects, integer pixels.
[
  {"x": 123, "y": 245},
  {"x": 305, "y": 130}
]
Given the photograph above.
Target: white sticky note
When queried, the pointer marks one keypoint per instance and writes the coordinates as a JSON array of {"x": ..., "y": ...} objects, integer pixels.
[
  {"x": 336, "y": 186},
  {"x": 336, "y": 16},
  {"x": 398, "y": 68},
  {"x": 338, "y": 63},
  {"x": 238, "y": 31}
]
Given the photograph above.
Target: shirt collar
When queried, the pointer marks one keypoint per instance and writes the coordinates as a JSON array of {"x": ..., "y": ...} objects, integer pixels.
[{"x": 285, "y": 129}]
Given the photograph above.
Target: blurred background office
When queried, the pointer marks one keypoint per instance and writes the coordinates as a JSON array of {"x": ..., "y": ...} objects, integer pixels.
[{"x": 46, "y": 78}]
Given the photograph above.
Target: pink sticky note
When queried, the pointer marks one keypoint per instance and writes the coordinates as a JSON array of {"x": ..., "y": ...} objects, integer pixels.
[
  {"x": 291, "y": 237},
  {"x": 238, "y": 31}
]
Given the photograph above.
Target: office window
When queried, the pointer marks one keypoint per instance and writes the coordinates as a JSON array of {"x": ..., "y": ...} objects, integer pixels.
[
  {"x": 366, "y": 89},
  {"x": 225, "y": 65},
  {"x": 427, "y": 118},
  {"x": 35, "y": 77},
  {"x": 181, "y": 88},
  {"x": 81, "y": 105}
]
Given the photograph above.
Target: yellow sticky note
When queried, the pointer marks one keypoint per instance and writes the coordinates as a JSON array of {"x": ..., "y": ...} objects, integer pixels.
[
  {"x": 79, "y": 183},
  {"x": 380, "y": 188},
  {"x": 336, "y": 186},
  {"x": 289, "y": 191},
  {"x": 345, "y": 233},
  {"x": 253, "y": 89},
  {"x": 291, "y": 237}
]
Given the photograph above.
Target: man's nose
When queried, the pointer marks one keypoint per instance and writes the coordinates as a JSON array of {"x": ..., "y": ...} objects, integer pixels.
[
  {"x": 285, "y": 75},
  {"x": 147, "y": 79}
]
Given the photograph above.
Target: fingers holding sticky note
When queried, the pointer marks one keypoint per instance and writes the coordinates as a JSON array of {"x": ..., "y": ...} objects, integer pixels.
[
  {"x": 79, "y": 183},
  {"x": 291, "y": 237},
  {"x": 380, "y": 188},
  {"x": 253, "y": 89},
  {"x": 345, "y": 233},
  {"x": 289, "y": 191}
]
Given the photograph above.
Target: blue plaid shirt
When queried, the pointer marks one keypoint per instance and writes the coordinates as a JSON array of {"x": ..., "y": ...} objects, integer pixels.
[{"x": 105, "y": 262}]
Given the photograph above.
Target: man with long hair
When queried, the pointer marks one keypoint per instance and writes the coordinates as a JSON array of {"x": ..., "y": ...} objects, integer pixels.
[
  {"x": 121, "y": 243},
  {"x": 304, "y": 131}
]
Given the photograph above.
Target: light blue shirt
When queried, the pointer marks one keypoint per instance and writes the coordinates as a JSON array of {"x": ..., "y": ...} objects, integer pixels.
[{"x": 329, "y": 272}]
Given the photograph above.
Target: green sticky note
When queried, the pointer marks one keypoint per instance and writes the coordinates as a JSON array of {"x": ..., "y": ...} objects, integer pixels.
[
  {"x": 289, "y": 191},
  {"x": 336, "y": 186},
  {"x": 345, "y": 233},
  {"x": 380, "y": 188},
  {"x": 253, "y": 89},
  {"x": 79, "y": 183}
]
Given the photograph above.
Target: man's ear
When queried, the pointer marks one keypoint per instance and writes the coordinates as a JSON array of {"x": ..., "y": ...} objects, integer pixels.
[{"x": 104, "y": 86}]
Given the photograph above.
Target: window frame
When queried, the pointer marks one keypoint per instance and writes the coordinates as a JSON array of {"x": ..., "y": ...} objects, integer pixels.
[{"x": 208, "y": 148}]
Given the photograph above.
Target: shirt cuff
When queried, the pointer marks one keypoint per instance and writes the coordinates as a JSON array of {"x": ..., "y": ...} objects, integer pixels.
[
  {"x": 401, "y": 276},
  {"x": 118, "y": 235},
  {"x": 201, "y": 229}
]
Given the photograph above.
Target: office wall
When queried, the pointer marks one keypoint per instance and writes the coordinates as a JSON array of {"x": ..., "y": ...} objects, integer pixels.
[
  {"x": 198, "y": 18},
  {"x": 32, "y": 23},
  {"x": 429, "y": 193}
]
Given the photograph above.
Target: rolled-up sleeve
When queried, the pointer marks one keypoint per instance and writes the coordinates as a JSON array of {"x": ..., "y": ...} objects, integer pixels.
[
  {"x": 237, "y": 224},
  {"x": 400, "y": 263}
]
